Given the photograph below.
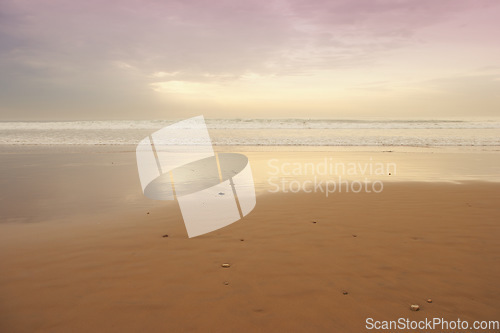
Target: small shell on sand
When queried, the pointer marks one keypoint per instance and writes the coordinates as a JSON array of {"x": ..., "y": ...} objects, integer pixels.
[
  {"x": 226, "y": 265},
  {"x": 414, "y": 307}
]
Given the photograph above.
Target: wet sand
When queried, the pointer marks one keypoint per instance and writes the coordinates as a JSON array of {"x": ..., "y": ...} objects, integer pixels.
[{"x": 79, "y": 252}]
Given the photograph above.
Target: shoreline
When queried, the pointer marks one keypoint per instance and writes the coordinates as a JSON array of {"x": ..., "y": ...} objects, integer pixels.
[{"x": 5, "y": 148}]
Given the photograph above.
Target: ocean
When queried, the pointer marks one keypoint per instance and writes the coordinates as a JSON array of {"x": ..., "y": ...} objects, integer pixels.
[{"x": 265, "y": 132}]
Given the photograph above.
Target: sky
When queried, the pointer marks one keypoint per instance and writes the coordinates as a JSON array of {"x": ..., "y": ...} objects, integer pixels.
[{"x": 131, "y": 59}]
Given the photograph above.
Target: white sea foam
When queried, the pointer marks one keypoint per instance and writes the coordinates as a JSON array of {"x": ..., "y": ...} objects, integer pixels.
[{"x": 257, "y": 124}]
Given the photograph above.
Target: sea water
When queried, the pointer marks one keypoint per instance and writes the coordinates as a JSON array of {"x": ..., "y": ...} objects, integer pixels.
[{"x": 265, "y": 132}]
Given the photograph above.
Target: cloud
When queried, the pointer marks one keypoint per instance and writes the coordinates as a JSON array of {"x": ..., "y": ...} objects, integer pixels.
[
  {"x": 124, "y": 50},
  {"x": 279, "y": 37}
]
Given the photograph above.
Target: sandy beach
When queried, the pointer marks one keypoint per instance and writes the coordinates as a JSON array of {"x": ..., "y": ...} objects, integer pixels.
[{"x": 81, "y": 250}]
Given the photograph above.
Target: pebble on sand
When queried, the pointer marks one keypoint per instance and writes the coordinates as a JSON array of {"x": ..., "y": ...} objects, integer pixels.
[
  {"x": 315, "y": 222},
  {"x": 164, "y": 236},
  {"x": 429, "y": 300},
  {"x": 345, "y": 293},
  {"x": 226, "y": 265},
  {"x": 226, "y": 283},
  {"x": 414, "y": 307}
]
